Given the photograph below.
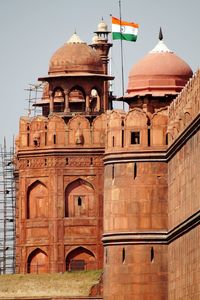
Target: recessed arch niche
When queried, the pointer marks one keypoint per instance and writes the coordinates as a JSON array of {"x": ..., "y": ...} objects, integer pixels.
[
  {"x": 80, "y": 259},
  {"x": 37, "y": 262},
  {"x": 79, "y": 199},
  {"x": 37, "y": 201}
]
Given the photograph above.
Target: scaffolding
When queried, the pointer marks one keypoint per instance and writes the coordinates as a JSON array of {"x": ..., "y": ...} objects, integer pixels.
[
  {"x": 35, "y": 92},
  {"x": 7, "y": 210}
]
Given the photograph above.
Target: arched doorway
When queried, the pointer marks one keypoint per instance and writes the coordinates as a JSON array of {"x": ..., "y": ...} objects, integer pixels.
[
  {"x": 79, "y": 199},
  {"x": 37, "y": 202},
  {"x": 80, "y": 259},
  {"x": 37, "y": 262}
]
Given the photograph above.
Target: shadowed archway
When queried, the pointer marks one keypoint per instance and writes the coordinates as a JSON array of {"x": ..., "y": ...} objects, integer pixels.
[
  {"x": 80, "y": 259},
  {"x": 37, "y": 262}
]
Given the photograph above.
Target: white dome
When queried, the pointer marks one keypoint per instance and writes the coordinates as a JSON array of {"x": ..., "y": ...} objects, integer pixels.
[
  {"x": 160, "y": 48},
  {"x": 75, "y": 39},
  {"x": 95, "y": 39},
  {"x": 102, "y": 26}
]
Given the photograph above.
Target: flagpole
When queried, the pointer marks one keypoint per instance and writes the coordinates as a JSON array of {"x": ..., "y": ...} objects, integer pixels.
[{"x": 121, "y": 43}]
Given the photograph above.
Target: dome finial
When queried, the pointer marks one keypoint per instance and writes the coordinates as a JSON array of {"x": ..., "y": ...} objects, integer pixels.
[
  {"x": 75, "y": 39},
  {"x": 160, "y": 34}
]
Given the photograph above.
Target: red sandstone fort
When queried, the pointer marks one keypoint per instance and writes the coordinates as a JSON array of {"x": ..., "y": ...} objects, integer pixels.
[{"x": 99, "y": 188}]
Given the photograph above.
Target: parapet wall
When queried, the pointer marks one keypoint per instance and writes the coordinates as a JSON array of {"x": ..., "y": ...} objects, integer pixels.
[
  {"x": 185, "y": 108},
  {"x": 183, "y": 191}
]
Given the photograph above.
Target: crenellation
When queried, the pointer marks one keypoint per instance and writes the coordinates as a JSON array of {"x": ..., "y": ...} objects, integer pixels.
[
  {"x": 185, "y": 108},
  {"x": 101, "y": 187}
]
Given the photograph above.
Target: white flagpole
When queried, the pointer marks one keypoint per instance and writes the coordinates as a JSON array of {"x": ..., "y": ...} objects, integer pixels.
[{"x": 122, "y": 62}]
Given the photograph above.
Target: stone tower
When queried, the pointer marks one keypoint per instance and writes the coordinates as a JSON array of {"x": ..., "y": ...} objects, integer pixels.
[
  {"x": 136, "y": 180},
  {"x": 84, "y": 171},
  {"x": 59, "y": 212}
]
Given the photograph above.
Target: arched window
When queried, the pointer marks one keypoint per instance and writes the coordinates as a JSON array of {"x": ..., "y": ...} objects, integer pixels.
[
  {"x": 80, "y": 259},
  {"x": 79, "y": 199},
  {"x": 37, "y": 262},
  {"x": 37, "y": 201},
  {"x": 58, "y": 100},
  {"x": 77, "y": 100}
]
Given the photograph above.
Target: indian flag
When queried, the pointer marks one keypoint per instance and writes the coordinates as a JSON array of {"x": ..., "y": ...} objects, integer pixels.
[{"x": 122, "y": 30}]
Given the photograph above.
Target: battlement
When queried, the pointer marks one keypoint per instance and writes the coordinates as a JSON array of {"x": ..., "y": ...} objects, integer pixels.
[
  {"x": 136, "y": 130},
  {"x": 185, "y": 108}
]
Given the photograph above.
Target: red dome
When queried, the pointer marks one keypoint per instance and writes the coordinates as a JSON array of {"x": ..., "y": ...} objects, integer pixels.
[
  {"x": 75, "y": 56},
  {"x": 161, "y": 72}
]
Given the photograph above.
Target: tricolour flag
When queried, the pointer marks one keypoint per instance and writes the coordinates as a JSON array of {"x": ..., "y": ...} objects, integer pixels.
[{"x": 122, "y": 30}]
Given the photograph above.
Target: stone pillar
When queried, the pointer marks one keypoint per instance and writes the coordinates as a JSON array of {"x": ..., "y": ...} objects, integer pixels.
[
  {"x": 51, "y": 102},
  {"x": 105, "y": 102},
  {"x": 98, "y": 103},
  {"x": 87, "y": 104},
  {"x": 66, "y": 101}
]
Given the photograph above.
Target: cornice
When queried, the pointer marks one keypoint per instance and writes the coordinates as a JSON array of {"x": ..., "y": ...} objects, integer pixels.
[{"x": 60, "y": 152}]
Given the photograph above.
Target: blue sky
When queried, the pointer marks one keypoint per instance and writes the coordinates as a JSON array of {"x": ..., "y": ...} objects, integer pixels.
[{"x": 31, "y": 31}]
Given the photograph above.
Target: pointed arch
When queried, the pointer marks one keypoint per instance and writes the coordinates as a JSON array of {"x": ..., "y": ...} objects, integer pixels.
[
  {"x": 37, "y": 262},
  {"x": 58, "y": 99},
  {"x": 80, "y": 258},
  {"x": 37, "y": 200},
  {"x": 136, "y": 117},
  {"x": 79, "y": 199},
  {"x": 77, "y": 98},
  {"x": 78, "y": 120},
  {"x": 58, "y": 88}
]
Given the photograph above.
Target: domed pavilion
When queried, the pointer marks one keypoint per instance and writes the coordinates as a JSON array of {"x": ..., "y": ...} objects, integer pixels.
[
  {"x": 160, "y": 74},
  {"x": 77, "y": 72}
]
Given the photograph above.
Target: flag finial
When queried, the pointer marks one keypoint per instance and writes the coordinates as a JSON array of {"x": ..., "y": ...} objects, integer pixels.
[{"x": 160, "y": 34}]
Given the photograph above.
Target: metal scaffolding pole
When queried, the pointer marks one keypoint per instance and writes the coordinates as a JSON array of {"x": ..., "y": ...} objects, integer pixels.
[{"x": 7, "y": 210}]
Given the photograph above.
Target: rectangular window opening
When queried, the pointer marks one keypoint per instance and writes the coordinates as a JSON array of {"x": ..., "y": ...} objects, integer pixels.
[
  {"x": 79, "y": 201},
  {"x": 54, "y": 139},
  {"x": 135, "y": 137},
  {"x": 166, "y": 139}
]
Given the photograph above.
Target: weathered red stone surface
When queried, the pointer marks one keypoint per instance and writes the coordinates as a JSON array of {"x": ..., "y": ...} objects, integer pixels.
[
  {"x": 59, "y": 213},
  {"x": 84, "y": 171},
  {"x": 54, "y": 298}
]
